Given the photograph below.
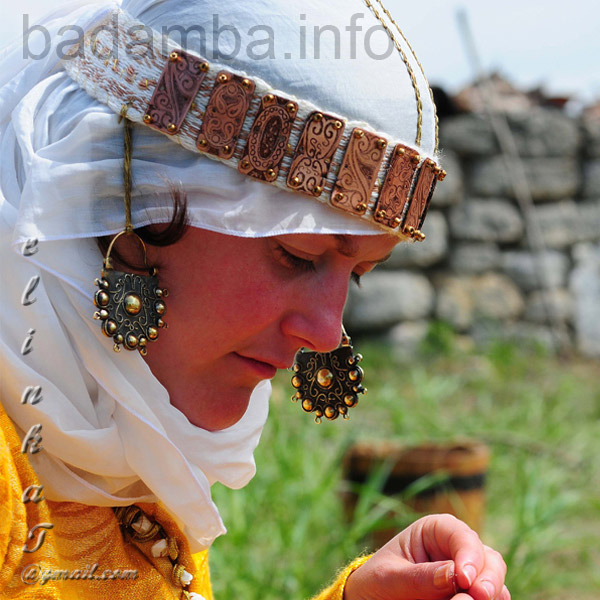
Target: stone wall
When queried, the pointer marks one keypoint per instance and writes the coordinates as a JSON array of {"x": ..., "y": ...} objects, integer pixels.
[{"x": 476, "y": 270}]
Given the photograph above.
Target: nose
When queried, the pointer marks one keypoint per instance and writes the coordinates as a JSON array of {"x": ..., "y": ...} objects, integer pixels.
[{"x": 315, "y": 321}]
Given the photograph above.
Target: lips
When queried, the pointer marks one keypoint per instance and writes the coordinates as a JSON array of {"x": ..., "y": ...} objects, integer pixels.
[{"x": 264, "y": 369}]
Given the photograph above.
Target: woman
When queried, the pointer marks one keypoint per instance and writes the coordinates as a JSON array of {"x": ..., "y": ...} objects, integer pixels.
[{"x": 108, "y": 458}]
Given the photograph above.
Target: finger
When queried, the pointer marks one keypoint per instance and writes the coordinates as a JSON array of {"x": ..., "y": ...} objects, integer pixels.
[
  {"x": 444, "y": 536},
  {"x": 489, "y": 584},
  {"x": 505, "y": 595},
  {"x": 427, "y": 581},
  {"x": 405, "y": 580},
  {"x": 391, "y": 577}
]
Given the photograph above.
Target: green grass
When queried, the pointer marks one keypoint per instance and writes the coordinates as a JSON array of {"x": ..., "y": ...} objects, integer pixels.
[{"x": 540, "y": 416}]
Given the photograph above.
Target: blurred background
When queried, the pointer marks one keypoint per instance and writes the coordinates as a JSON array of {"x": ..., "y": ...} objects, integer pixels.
[
  {"x": 482, "y": 344},
  {"x": 512, "y": 232}
]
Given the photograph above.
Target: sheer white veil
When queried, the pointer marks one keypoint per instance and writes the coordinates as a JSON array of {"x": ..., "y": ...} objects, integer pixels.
[{"x": 110, "y": 435}]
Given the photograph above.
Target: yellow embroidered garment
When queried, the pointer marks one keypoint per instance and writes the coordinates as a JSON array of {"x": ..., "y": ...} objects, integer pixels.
[{"x": 86, "y": 544}]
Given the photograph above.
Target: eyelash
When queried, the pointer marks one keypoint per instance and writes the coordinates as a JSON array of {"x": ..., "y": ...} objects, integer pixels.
[{"x": 304, "y": 265}]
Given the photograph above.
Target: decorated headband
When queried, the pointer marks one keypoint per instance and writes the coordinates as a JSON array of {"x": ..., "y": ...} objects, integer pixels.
[{"x": 244, "y": 123}]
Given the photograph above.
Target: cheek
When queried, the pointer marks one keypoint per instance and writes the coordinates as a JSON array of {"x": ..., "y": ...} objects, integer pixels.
[{"x": 222, "y": 296}]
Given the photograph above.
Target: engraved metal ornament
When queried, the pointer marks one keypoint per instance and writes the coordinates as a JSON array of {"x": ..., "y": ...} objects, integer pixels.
[
  {"x": 268, "y": 138},
  {"x": 130, "y": 307},
  {"x": 394, "y": 196},
  {"x": 224, "y": 115},
  {"x": 175, "y": 91},
  {"x": 315, "y": 150},
  {"x": 421, "y": 199},
  {"x": 358, "y": 171},
  {"x": 328, "y": 383}
]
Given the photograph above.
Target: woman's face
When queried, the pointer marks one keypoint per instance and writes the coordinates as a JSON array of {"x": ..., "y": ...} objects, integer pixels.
[{"x": 240, "y": 308}]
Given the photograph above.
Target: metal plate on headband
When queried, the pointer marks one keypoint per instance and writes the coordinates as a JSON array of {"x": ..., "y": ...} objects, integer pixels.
[
  {"x": 225, "y": 113},
  {"x": 358, "y": 172},
  {"x": 175, "y": 91},
  {"x": 395, "y": 191},
  {"x": 317, "y": 145},
  {"x": 417, "y": 210},
  {"x": 268, "y": 138}
]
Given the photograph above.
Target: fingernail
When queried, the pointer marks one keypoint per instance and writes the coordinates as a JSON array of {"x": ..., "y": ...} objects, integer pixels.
[
  {"x": 489, "y": 588},
  {"x": 470, "y": 572},
  {"x": 443, "y": 576}
]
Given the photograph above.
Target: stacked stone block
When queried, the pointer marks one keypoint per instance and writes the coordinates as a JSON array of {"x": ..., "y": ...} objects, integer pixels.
[{"x": 476, "y": 270}]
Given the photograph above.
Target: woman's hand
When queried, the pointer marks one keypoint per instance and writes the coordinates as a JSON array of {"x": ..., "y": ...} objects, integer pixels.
[{"x": 437, "y": 558}]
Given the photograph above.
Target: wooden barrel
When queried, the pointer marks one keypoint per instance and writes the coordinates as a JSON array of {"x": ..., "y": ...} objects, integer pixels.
[{"x": 429, "y": 478}]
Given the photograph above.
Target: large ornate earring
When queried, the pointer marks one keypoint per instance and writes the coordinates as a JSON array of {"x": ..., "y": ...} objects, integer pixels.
[
  {"x": 328, "y": 383},
  {"x": 129, "y": 305}
]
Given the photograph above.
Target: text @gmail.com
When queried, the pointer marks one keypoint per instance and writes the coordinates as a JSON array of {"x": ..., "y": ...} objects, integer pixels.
[{"x": 35, "y": 573}]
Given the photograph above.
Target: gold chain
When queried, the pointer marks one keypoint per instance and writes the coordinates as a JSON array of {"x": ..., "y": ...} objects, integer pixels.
[
  {"x": 408, "y": 67},
  {"x": 127, "y": 154}
]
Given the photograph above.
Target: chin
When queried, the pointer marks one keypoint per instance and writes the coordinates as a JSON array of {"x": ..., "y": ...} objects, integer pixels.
[{"x": 221, "y": 411}]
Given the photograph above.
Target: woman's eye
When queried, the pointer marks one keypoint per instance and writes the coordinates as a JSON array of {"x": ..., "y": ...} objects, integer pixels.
[
  {"x": 294, "y": 262},
  {"x": 303, "y": 265}
]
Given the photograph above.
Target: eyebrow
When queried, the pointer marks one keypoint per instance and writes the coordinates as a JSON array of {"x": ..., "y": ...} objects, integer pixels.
[
  {"x": 346, "y": 245},
  {"x": 349, "y": 247},
  {"x": 381, "y": 260}
]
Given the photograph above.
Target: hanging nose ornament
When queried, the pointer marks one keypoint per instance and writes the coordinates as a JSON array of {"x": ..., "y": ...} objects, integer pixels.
[
  {"x": 328, "y": 383},
  {"x": 130, "y": 306}
]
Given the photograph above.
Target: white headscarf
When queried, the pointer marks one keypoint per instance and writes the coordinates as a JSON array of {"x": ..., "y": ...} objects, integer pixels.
[{"x": 110, "y": 435}]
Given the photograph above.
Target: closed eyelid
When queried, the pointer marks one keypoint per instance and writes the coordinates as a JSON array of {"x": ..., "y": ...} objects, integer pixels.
[
  {"x": 298, "y": 252},
  {"x": 347, "y": 248},
  {"x": 290, "y": 260},
  {"x": 309, "y": 264}
]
